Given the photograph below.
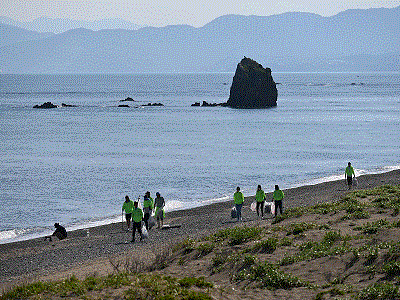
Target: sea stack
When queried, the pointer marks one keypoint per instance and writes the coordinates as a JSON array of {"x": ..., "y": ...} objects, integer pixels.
[{"x": 252, "y": 86}]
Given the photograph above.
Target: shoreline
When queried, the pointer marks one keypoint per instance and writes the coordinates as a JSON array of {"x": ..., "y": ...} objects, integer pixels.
[
  {"x": 117, "y": 218},
  {"x": 36, "y": 259}
]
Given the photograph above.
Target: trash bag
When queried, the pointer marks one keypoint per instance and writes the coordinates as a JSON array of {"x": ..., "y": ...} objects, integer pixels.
[
  {"x": 233, "y": 213},
  {"x": 152, "y": 222},
  {"x": 253, "y": 206},
  {"x": 269, "y": 208},
  {"x": 355, "y": 181},
  {"x": 145, "y": 233}
]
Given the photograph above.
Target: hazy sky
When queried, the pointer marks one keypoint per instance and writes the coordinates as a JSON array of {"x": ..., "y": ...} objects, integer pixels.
[{"x": 161, "y": 12}]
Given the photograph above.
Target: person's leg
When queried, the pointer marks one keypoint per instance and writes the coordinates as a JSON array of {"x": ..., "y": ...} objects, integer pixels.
[
  {"x": 134, "y": 227},
  {"x": 349, "y": 181},
  {"x": 146, "y": 220},
  {"x": 140, "y": 230},
  {"x": 276, "y": 207},
  {"x": 128, "y": 220},
  {"x": 257, "y": 208},
  {"x": 280, "y": 206},
  {"x": 239, "y": 210},
  {"x": 262, "y": 209}
]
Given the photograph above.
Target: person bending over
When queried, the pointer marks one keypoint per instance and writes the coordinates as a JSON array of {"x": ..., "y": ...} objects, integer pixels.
[{"x": 60, "y": 232}]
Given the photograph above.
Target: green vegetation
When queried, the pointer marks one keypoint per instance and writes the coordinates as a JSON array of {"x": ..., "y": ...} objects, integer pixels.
[
  {"x": 140, "y": 287},
  {"x": 380, "y": 291},
  {"x": 261, "y": 256}
]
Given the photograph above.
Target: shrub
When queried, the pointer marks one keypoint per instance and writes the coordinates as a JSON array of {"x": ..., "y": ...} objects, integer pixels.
[
  {"x": 379, "y": 291},
  {"x": 266, "y": 246},
  {"x": 392, "y": 269}
]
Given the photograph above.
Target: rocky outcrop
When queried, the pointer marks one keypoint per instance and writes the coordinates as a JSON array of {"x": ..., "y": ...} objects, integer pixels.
[
  {"x": 127, "y": 99},
  {"x": 206, "y": 104},
  {"x": 252, "y": 86},
  {"x": 68, "y": 105},
  {"x": 153, "y": 104},
  {"x": 46, "y": 105}
]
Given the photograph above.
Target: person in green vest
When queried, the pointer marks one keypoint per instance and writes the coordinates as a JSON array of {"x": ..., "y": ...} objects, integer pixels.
[
  {"x": 148, "y": 205},
  {"x": 260, "y": 200},
  {"x": 128, "y": 208},
  {"x": 137, "y": 217},
  {"x": 238, "y": 200},
  {"x": 278, "y": 197},
  {"x": 159, "y": 204},
  {"x": 349, "y": 174}
]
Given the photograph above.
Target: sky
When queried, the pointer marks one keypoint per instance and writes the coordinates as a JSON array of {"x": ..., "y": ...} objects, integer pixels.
[{"x": 162, "y": 13}]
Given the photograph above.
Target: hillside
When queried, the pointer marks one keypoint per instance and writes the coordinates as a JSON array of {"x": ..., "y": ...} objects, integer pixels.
[{"x": 355, "y": 40}]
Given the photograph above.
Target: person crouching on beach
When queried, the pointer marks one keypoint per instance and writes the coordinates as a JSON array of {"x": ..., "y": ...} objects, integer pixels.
[
  {"x": 278, "y": 198},
  {"x": 60, "y": 232},
  {"x": 349, "y": 173},
  {"x": 147, "y": 208},
  {"x": 260, "y": 200},
  {"x": 238, "y": 200},
  {"x": 159, "y": 204},
  {"x": 128, "y": 208},
  {"x": 137, "y": 217}
]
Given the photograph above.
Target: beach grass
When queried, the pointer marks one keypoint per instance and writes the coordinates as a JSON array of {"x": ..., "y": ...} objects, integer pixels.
[{"x": 346, "y": 249}]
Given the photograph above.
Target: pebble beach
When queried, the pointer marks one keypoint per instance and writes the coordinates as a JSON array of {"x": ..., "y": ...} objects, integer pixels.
[{"x": 102, "y": 250}]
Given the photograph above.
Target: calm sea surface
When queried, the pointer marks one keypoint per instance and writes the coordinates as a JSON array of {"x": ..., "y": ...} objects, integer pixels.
[{"x": 75, "y": 165}]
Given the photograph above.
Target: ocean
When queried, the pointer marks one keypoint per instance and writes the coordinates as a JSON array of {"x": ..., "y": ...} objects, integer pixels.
[{"x": 74, "y": 165}]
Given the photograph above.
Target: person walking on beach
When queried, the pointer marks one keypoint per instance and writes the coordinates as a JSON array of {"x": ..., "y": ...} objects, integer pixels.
[
  {"x": 238, "y": 200},
  {"x": 349, "y": 173},
  {"x": 260, "y": 200},
  {"x": 159, "y": 204},
  {"x": 278, "y": 198},
  {"x": 128, "y": 208},
  {"x": 148, "y": 204},
  {"x": 137, "y": 217}
]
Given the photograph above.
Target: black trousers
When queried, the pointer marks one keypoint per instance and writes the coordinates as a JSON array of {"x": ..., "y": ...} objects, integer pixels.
[
  {"x": 260, "y": 205},
  {"x": 146, "y": 220},
  {"x": 278, "y": 203},
  {"x": 136, "y": 226}
]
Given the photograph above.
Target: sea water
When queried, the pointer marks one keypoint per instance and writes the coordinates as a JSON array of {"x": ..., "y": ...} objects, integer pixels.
[{"x": 74, "y": 165}]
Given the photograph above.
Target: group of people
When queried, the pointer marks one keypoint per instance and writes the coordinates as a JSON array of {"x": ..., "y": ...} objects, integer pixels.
[
  {"x": 137, "y": 215},
  {"x": 278, "y": 195}
]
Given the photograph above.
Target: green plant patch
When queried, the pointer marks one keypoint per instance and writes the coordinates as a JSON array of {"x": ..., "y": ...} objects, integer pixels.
[{"x": 379, "y": 291}]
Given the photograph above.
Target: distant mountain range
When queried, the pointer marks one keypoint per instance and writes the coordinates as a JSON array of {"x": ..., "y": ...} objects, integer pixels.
[
  {"x": 62, "y": 25},
  {"x": 354, "y": 40}
]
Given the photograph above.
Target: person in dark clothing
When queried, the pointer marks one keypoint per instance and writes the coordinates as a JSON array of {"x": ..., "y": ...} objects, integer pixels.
[{"x": 60, "y": 232}]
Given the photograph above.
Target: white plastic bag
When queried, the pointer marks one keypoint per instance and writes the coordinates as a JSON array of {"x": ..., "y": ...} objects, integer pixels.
[
  {"x": 253, "y": 206},
  {"x": 270, "y": 208},
  {"x": 355, "y": 181},
  {"x": 233, "y": 213},
  {"x": 145, "y": 233},
  {"x": 152, "y": 222}
]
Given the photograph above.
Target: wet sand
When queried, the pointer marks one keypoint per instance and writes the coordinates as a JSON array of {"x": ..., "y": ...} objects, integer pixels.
[{"x": 109, "y": 245}]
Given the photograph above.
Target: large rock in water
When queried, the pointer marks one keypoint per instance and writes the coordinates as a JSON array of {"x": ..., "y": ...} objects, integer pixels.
[{"x": 252, "y": 86}]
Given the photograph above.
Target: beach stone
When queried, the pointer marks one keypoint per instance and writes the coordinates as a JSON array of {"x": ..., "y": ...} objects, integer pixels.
[
  {"x": 45, "y": 105},
  {"x": 252, "y": 86}
]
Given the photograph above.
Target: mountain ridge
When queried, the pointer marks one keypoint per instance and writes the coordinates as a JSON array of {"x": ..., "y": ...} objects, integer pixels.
[{"x": 283, "y": 42}]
